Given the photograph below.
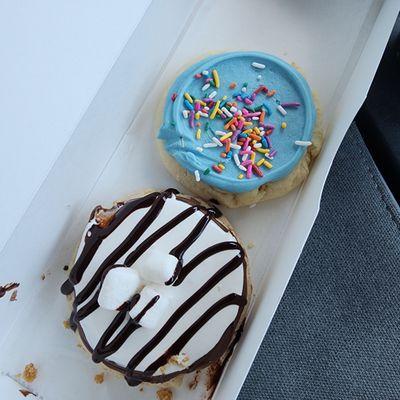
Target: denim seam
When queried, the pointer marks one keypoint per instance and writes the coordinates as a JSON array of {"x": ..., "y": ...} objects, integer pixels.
[{"x": 378, "y": 185}]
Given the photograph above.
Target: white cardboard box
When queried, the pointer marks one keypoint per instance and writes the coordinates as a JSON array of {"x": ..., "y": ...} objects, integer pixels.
[
  {"x": 55, "y": 56},
  {"x": 338, "y": 45}
]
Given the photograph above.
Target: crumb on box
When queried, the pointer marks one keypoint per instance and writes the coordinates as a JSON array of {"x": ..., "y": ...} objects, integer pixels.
[
  {"x": 66, "y": 268},
  {"x": 79, "y": 345},
  {"x": 43, "y": 277},
  {"x": 26, "y": 393},
  {"x": 13, "y": 296},
  {"x": 250, "y": 245},
  {"x": 67, "y": 324},
  {"x": 99, "y": 378},
  {"x": 141, "y": 389},
  {"x": 164, "y": 394},
  {"x": 30, "y": 373}
]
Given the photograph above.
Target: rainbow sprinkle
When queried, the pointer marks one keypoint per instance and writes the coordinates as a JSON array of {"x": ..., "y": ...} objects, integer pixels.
[{"x": 246, "y": 140}]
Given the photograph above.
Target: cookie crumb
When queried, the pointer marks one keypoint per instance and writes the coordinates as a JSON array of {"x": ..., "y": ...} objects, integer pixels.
[
  {"x": 141, "y": 389},
  {"x": 163, "y": 369},
  {"x": 65, "y": 267},
  {"x": 13, "y": 296},
  {"x": 164, "y": 394},
  {"x": 105, "y": 216},
  {"x": 79, "y": 345},
  {"x": 67, "y": 324},
  {"x": 99, "y": 378},
  {"x": 250, "y": 245},
  {"x": 30, "y": 373},
  {"x": 43, "y": 277},
  {"x": 181, "y": 359}
]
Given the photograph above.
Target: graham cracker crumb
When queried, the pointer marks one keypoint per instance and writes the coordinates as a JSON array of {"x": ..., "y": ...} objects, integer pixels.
[
  {"x": 99, "y": 378},
  {"x": 30, "y": 373},
  {"x": 250, "y": 245},
  {"x": 67, "y": 324},
  {"x": 79, "y": 345},
  {"x": 13, "y": 296},
  {"x": 164, "y": 394},
  {"x": 105, "y": 216},
  {"x": 141, "y": 389},
  {"x": 181, "y": 359}
]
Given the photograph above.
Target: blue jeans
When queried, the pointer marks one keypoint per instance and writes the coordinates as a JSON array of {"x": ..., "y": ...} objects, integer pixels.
[{"x": 336, "y": 333}]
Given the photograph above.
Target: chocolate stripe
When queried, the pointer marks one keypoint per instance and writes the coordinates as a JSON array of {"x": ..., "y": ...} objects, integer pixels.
[
  {"x": 91, "y": 306},
  {"x": 179, "y": 250},
  {"x": 129, "y": 241},
  {"x": 93, "y": 242},
  {"x": 210, "y": 251},
  {"x": 104, "y": 349},
  {"x": 159, "y": 233},
  {"x": 183, "y": 309},
  {"x": 230, "y": 299}
]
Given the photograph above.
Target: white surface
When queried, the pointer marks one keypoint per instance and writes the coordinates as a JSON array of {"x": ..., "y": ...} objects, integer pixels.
[
  {"x": 54, "y": 57},
  {"x": 338, "y": 44}
]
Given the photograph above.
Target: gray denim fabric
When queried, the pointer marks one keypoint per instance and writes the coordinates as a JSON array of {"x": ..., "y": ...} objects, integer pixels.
[{"x": 336, "y": 333}]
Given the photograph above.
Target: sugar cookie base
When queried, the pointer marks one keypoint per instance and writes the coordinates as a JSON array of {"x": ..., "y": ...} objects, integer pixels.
[{"x": 209, "y": 374}]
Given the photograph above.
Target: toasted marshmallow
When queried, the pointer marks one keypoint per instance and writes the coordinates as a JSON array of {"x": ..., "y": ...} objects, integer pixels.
[
  {"x": 151, "y": 317},
  {"x": 119, "y": 285},
  {"x": 156, "y": 266}
]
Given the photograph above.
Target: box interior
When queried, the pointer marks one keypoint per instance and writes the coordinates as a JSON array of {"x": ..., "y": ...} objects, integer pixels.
[{"x": 112, "y": 154}]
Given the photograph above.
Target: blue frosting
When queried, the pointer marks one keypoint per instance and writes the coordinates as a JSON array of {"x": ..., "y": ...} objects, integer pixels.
[{"x": 180, "y": 140}]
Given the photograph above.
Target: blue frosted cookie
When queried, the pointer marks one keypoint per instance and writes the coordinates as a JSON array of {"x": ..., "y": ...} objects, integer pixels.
[{"x": 239, "y": 128}]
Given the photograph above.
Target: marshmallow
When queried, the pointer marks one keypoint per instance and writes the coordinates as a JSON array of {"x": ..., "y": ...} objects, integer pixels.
[
  {"x": 153, "y": 315},
  {"x": 156, "y": 266},
  {"x": 119, "y": 285}
]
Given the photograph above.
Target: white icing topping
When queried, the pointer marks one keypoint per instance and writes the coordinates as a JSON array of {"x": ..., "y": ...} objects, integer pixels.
[{"x": 207, "y": 337}]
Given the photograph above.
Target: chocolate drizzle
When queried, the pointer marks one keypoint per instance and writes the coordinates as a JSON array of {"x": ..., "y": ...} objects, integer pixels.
[
  {"x": 120, "y": 329},
  {"x": 8, "y": 287}
]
